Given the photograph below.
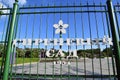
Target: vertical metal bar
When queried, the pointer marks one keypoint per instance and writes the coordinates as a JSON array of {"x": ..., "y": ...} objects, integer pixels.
[
  {"x": 10, "y": 37},
  {"x": 39, "y": 34},
  {"x": 90, "y": 30},
  {"x": 69, "y": 48},
  {"x": 75, "y": 29},
  {"x": 60, "y": 47},
  {"x": 26, "y": 34},
  {"x": 117, "y": 18},
  {"x": 3, "y": 39},
  {"x": 46, "y": 47},
  {"x": 68, "y": 21},
  {"x": 117, "y": 21},
  {"x": 113, "y": 63},
  {"x": 4, "y": 29},
  {"x": 106, "y": 33},
  {"x": 14, "y": 47},
  {"x": 83, "y": 36},
  {"x": 108, "y": 61},
  {"x": 98, "y": 33},
  {"x": 18, "y": 45},
  {"x": 53, "y": 72},
  {"x": 31, "y": 47},
  {"x": 5, "y": 43},
  {"x": 114, "y": 36}
]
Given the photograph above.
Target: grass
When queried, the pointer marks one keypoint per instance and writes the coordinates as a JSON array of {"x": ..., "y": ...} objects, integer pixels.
[
  {"x": 25, "y": 60},
  {"x": 28, "y": 60}
]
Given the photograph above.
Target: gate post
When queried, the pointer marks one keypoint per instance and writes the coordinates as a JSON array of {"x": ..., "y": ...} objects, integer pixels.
[
  {"x": 9, "y": 44},
  {"x": 116, "y": 44}
]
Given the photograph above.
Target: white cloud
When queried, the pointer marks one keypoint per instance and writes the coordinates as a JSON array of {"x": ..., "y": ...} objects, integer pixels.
[
  {"x": 10, "y": 2},
  {"x": 2, "y": 5},
  {"x": 4, "y": 11},
  {"x": 5, "y": 3},
  {"x": 22, "y": 2}
]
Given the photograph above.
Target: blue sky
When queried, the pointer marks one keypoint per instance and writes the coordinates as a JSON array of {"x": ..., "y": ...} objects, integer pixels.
[
  {"x": 45, "y": 2},
  {"x": 36, "y": 24},
  {"x": 6, "y": 3}
]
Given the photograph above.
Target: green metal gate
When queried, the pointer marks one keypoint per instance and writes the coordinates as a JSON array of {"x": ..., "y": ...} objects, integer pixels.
[{"x": 60, "y": 42}]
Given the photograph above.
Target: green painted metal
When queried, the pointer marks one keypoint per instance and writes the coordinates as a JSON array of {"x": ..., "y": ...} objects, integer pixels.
[
  {"x": 10, "y": 38},
  {"x": 88, "y": 9},
  {"x": 114, "y": 36},
  {"x": 5, "y": 40}
]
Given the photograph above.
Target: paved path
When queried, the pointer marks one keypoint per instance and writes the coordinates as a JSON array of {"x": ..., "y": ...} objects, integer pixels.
[{"x": 73, "y": 68}]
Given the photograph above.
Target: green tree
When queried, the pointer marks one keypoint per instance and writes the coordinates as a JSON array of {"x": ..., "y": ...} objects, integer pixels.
[
  {"x": 1, "y": 12},
  {"x": 20, "y": 52},
  {"x": 107, "y": 52},
  {"x": 91, "y": 53},
  {"x": 35, "y": 53},
  {"x": 1, "y": 49},
  {"x": 27, "y": 52}
]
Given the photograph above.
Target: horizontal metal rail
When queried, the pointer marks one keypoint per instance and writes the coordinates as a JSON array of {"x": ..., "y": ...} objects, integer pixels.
[
  {"x": 5, "y": 8},
  {"x": 116, "y": 5},
  {"x": 117, "y": 11},
  {"x": 2, "y": 42},
  {"x": 63, "y": 76},
  {"x": 63, "y": 42},
  {"x": 36, "y": 7},
  {"x": 59, "y": 9},
  {"x": 92, "y": 11}
]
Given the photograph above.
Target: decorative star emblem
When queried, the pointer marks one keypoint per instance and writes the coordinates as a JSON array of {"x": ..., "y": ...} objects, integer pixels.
[{"x": 60, "y": 27}]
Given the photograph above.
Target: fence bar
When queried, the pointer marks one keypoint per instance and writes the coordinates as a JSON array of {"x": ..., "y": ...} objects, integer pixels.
[
  {"x": 9, "y": 46},
  {"x": 52, "y": 12},
  {"x": 71, "y": 6},
  {"x": 114, "y": 36}
]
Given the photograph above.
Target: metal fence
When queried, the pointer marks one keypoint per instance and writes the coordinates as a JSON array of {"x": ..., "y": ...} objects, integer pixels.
[{"x": 60, "y": 42}]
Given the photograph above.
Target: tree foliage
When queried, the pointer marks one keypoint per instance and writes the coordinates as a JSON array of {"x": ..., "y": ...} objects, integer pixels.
[
  {"x": 1, "y": 12},
  {"x": 35, "y": 52},
  {"x": 1, "y": 49},
  {"x": 108, "y": 52},
  {"x": 20, "y": 52}
]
